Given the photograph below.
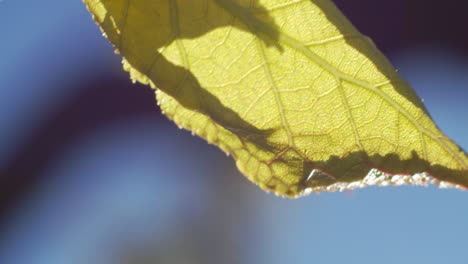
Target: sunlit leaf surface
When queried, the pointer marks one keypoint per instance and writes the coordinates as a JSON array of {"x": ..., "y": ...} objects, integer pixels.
[{"x": 290, "y": 88}]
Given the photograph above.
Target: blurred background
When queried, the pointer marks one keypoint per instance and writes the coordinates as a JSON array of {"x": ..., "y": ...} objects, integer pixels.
[{"x": 91, "y": 172}]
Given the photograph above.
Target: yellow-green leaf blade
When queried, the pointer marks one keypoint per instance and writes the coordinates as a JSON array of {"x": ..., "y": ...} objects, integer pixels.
[{"x": 298, "y": 96}]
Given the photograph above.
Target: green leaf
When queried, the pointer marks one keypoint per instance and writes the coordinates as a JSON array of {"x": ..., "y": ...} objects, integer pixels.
[{"x": 290, "y": 88}]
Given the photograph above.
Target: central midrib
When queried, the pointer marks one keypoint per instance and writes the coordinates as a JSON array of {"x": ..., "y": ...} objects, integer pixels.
[{"x": 261, "y": 27}]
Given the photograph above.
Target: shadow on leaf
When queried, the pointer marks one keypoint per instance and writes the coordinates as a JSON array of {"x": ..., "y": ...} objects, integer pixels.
[{"x": 143, "y": 48}]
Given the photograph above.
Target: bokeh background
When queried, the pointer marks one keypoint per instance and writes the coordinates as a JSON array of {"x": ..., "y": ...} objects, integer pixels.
[{"x": 91, "y": 172}]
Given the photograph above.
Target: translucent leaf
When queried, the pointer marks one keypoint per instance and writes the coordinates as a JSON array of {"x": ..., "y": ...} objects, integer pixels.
[{"x": 290, "y": 88}]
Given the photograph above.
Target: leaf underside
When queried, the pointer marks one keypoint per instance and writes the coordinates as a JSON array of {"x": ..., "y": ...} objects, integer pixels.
[{"x": 299, "y": 98}]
